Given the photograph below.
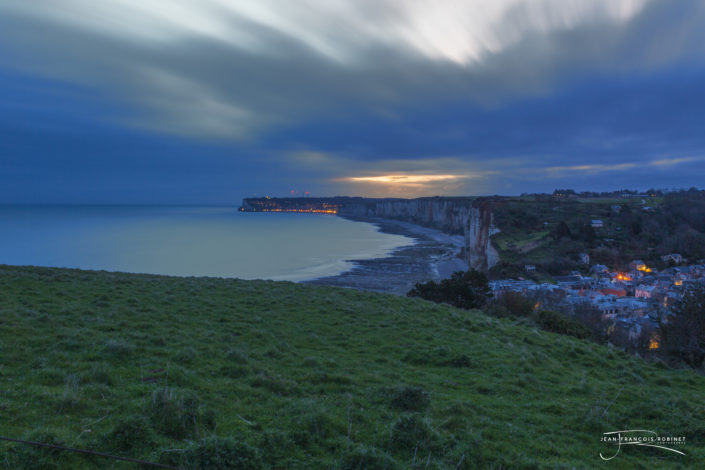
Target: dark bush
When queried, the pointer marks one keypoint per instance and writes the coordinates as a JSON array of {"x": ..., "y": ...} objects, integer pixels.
[
  {"x": 683, "y": 335},
  {"x": 559, "y": 323},
  {"x": 591, "y": 316},
  {"x": 494, "y": 309},
  {"x": 467, "y": 290},
  {"x": 561, "y": 230},
  {"x": 411, "y": 399},
  {"x": 516, "y": 304}
]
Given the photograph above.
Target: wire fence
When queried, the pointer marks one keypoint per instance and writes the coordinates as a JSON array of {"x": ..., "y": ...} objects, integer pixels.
[{"x": 89, "y": 452}]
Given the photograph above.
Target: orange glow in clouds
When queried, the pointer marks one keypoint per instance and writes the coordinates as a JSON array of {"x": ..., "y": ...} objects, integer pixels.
[
  {"x": 409, "y": 184},
  {"x": 401, "y": 179}
]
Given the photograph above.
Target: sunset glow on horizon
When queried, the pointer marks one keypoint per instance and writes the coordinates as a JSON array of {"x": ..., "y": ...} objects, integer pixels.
[{"x": 410, "y": 179}]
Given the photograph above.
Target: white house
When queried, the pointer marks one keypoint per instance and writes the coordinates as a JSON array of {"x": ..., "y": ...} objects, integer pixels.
[
  {"x": 644, "y": 292},
  {"x": 675, "y": 257}
]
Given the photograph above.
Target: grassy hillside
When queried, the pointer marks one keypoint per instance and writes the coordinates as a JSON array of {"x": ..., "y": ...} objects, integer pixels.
[{"x": 306, "y": 377}]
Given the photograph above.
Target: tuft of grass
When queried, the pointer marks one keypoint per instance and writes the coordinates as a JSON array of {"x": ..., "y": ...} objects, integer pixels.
[
  {"x": 70, "y": 398},
  {"x": 130, "y": 434},
  {"x": 186, "y": 355},
  {"x": 98, "y": 374},
  {"x": 117, "y": 349},
  {"x": 365, "y": 458},
  {"x": 175, "y": 413},
  {"x": 216, "y": 453},
  {"x": 413, "y": 433}
]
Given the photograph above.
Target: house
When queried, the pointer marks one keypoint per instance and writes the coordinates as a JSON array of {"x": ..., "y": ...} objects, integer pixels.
[
  {"x": 631, "y": 307},
  {"x": 613, "y": 291},
  {"x": 637, "y": 265},
  {"x": 568, "y": 281},
  {"x": 675, "y": 257},
  {"x": 644, "y": 292},
  {"x": 530, "y": 268},
  {"x": 584, "y": 258},
  {"x": 506, "y": 285},
  {"x": 596, "y": 223},
  {"x": 599, "y": 268}
]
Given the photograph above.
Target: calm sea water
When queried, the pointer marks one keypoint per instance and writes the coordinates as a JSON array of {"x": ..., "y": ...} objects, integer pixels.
[{"x": 188, "y": 241}]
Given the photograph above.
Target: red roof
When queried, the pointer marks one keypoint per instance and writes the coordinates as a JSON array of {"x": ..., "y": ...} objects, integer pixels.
[{"x": 615, "y": 292}]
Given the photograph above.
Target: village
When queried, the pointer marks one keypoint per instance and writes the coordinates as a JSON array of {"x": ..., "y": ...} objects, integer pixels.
[{"x": 633, "y": 301}]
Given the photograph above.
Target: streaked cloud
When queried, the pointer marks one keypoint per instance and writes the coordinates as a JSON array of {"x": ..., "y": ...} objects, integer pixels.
[
  {"x": 555, "y": 171},
  {"x": 666, "y": 162},
  {"x": 226, "y": 69},
  {"x": 413, "y": 97}
]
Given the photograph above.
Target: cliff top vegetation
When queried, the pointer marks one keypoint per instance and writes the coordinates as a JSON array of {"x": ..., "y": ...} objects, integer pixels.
[{"x": 551, "y": 231}]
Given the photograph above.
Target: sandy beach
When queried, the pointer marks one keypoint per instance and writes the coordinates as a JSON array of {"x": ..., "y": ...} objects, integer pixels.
[{"x": 433, "y": 255}]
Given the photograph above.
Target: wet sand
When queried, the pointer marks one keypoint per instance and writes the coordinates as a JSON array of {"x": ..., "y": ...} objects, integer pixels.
[{"x": 432, "y": 256}]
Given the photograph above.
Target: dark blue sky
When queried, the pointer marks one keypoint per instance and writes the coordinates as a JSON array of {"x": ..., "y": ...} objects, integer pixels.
[{"x": 208, "y": 102}]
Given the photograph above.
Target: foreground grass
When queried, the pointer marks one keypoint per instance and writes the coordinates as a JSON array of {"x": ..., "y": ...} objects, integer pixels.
[{"x": 306, "y": 377}]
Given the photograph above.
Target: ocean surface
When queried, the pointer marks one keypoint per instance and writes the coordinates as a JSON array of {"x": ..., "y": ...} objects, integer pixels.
[{"x": 189, "y": 241}]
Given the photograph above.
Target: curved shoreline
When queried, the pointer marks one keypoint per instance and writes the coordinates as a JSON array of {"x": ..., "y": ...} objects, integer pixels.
[{"x": 432, "y": 256}]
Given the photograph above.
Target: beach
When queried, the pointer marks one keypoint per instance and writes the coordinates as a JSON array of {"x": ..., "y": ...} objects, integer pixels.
[{"x": 434, "y": 255}]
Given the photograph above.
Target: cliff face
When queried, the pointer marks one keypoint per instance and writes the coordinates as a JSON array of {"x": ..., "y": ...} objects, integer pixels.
[
  {"x": 479, "y": 228},
  {"x": 448, "y": 215},
  {"x": 467, "y": 216}
]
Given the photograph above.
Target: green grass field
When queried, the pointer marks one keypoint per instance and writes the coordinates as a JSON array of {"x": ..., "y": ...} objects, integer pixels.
[{"x": 189, "y": 371}]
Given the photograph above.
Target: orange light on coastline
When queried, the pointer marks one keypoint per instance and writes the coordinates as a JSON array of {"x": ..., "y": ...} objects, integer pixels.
[
  {"x": 314, "y": 211},
  {"x": 623, "y": 277}
]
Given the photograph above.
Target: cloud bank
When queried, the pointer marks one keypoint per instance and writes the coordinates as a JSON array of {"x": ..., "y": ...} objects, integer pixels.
[
  {"x": 510, "y": 90},
  {"x": 227, "y": 69}
]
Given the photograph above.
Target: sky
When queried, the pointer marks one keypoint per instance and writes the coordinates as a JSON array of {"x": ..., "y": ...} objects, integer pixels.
[{"x": 210, "y": 101}]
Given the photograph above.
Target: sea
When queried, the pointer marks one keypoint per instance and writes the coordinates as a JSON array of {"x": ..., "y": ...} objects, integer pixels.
[{"x": 189, "y": 241}]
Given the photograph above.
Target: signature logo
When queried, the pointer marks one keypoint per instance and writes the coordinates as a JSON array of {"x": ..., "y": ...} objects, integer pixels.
[{"x": 640, "y": 438}]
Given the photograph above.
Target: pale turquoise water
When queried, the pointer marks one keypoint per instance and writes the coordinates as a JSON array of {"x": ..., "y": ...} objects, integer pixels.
[{"x": 188, "y": 241}]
